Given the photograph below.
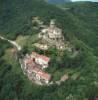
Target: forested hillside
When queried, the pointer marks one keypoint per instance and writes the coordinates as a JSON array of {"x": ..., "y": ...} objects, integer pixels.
[
  {"x": 16, "y": 18},
  {"x": 79, "y": 24},
  {"x": 85, "y": 17}
]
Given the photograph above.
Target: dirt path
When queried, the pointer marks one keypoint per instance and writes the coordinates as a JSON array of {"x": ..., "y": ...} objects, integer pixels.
[{"x": 12, "y": 42}]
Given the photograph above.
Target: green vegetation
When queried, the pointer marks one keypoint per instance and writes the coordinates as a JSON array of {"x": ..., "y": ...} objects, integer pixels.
[
  {"x": 79, "y": 24},
  {"x": 85, "y": 17},
  {"x": 57, "y": 1}
]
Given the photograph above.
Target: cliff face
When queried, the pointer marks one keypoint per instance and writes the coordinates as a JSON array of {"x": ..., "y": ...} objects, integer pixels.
[{"x": 58, "y": 1}]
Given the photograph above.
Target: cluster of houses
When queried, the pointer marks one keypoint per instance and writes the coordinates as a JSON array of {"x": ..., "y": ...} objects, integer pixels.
[
  {"x": 33, "y": 66},
  {"x": 51, "y": 36}
]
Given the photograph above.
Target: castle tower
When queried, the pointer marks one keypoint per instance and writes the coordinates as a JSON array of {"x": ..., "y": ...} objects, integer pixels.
[{"x": 52, "y": 23}]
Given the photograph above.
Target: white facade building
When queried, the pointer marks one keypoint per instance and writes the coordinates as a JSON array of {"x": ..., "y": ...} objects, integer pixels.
[{"x": 40, "y": 59}]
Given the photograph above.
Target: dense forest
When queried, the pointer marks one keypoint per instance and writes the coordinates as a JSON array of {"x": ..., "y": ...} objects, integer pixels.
[
  {"x": 79, "y": 23},
  {"x": 85, "y": 17}
]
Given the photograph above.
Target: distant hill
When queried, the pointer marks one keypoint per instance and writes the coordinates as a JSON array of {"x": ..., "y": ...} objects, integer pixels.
[{"x": 58, "y": 1}]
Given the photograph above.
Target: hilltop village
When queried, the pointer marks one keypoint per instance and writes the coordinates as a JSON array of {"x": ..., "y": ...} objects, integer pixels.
[
  {"x": 33, "y": 64},
  {"x": 51, "y": 36}
]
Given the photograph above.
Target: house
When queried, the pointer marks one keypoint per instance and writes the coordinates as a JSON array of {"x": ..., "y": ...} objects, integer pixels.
[
  {"x": 32, "y": 69},
  {"x": 41, "y": 75},
  {"x": 36, "y": 73},
  {"x": 52, "y": 31},
  {"x": 51, "y": 35},
  {"x": 40, "y": 59}
]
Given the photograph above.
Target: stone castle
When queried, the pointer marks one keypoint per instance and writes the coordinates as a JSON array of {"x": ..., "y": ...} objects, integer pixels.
[{"x": 51, "y": 36}]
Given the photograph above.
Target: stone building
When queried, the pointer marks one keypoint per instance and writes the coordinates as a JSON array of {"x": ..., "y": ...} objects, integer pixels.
[
  {"x": 40, "y": 59},
  {"x": 52, "y": 35}
]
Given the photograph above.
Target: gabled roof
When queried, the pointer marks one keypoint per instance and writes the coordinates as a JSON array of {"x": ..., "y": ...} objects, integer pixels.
[
  {"x": 45, "y": 58},
  {"x": 43, "y": 74},
  {"x": 33, "y": 68}
]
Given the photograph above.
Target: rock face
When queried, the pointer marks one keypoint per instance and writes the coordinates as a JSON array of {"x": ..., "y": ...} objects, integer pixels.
[{"x": 52, "y": 36}]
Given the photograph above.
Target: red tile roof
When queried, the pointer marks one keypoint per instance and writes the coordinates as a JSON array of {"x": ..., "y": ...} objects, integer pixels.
[
  {"x": 45, "y": 58},
  {"x": 32, "y": 68},
  {"x": 43, "y": 74}
]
